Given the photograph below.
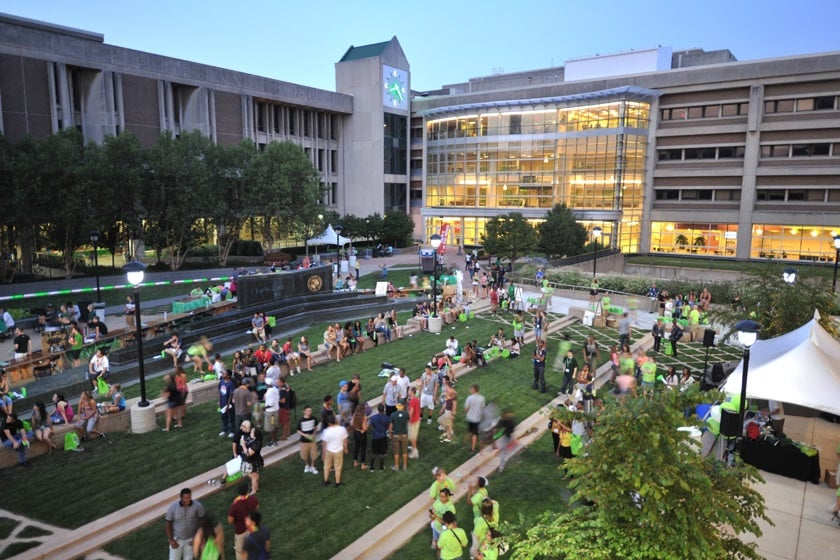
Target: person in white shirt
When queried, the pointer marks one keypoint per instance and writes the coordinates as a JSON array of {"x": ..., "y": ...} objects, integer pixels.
[
  {"x": 219, "y": 366},
  {"x": 8, "y": 320},
  {"x": 402, "y": 385},
  {"x": 273, "y": 372},
  {"x": 451, "y": 347},
  {"x": 99, "y": 367},
  {"x": 334, "y": 441},
  {"x": 272, "y": 407},
  {"x": 777, "y": 417}
]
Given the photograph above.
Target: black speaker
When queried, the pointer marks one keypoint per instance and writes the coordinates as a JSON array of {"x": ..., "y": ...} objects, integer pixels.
[
  {"x": 427, "y": 264},
  {"x": 729, "y": 423},
  {"x": 718, "y": 373},
  {"x": 709, "y": 338}
]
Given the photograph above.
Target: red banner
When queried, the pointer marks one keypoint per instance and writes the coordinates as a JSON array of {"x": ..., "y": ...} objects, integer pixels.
[{"x": 444, "y": 232}]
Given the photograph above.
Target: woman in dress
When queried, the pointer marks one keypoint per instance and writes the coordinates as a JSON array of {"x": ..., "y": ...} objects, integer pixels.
[
  {"x": 41, "y": 425},
  {"x": 330, "y": 343},
  {"x": 88, "y": 416},
  {"x": 305, "y": 354}
]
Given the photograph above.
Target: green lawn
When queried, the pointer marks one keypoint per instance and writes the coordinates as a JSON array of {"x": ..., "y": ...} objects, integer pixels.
[{"x": 125, "y": 467}]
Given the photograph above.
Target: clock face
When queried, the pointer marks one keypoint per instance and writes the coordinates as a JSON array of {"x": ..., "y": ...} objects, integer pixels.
[{"x": 395, "y": 88}]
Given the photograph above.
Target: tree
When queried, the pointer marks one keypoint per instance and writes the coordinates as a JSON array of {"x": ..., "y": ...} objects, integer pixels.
[
  {"x": 176, "y": 193},
  {"x": 763, "y": 296},
  {"x": 397, "y": 228},
  {"x": 288, "y": 190},
  {"x": 643, "y": 492},
  {"x": 509, "y": 235},
  {"x": 64, "y": 175},
  {"x": 234, "y": 196},
  {"x": 560, "y": 234}
]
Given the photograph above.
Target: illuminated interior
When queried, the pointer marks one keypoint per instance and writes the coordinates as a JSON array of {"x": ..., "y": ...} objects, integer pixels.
[{"x": 591, "y": 158}]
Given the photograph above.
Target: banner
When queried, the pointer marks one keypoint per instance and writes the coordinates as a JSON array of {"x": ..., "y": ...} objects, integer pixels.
[{"x": 444, "y": 232}]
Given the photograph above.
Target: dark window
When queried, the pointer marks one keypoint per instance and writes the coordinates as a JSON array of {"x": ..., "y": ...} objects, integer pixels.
[
  {"x": 777, "y": 195},
  {"x": 824, "y": 103},
  {"x": 820, "y": 149},
  {"x": 292, "y": 120},
  {"x": 707, "y": 153},
  {"x": 796, "y": 195},
  {"x": 307, "y": 123},
  {"x": 396, "y": 144},
  {"x": 726, "y": 152},
  {"x": 395, "y": 194},
  {"x": 670, "y": 155},
  {"x": 667, "y": 194},
  {"x": 692, "y": 153},
  {"x": 697, "y": 194},
  {"x": 801, "y": 150},
  {"x": 515, "y": 124}
]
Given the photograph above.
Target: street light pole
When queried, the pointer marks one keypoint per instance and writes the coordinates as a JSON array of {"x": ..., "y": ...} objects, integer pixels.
[
  {"x": 94, "y": 238},
  {"x": 836, "y": 257},
  {"x": 596, "y": 234},
  {"x": 747, "y": 335},
  {"x": 134, "y": 271},
  {"x": 338, "y": 229},
  {"x": 435, "y": 240}
]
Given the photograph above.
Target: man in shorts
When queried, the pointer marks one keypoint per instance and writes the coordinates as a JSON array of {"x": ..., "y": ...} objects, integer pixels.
[
  {"x": 399, "y": 434},
  {"x": 428, "y": 392},
  {"x": 307, "y": 429},
  {"x": 474, "y": 407},
  {"x": 272, "y": 406}
]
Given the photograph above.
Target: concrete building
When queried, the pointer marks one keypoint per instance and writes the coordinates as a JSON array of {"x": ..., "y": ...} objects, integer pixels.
[{"x": 686, "y": 151}]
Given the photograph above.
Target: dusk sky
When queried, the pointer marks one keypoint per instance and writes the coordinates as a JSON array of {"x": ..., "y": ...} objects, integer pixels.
[{"x": 445, "y": 41}]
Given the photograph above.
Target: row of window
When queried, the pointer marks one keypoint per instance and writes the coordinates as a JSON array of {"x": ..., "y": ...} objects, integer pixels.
[
  {"x": 762, "y": 195},
  {"x": 802, "y": 105},
  {"x": 817, "y": 149},
  {"x": 282, "y": 119},
  {"x": 707, "y": 153},
  {"x": 716, "y": 111},
  {"x": 720, "y": 195},
  {"x": 728, "y": 110}
]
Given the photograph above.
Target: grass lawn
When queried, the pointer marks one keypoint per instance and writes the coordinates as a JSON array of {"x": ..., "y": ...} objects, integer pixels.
[{"x": 124, "y": 468}]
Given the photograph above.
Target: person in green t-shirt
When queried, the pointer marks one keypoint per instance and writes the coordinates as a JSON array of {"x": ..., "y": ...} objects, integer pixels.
[
  {"x": 441, "y": 507},
  {"x": 399, "y": 435},
  {"x": 648, "y": 375},
  {"x": 452, "y": 540}
]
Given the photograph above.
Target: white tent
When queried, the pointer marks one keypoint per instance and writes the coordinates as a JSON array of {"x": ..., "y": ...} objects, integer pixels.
[
  {"x": 329, "y": 237},
  {"x": 801, "y": 367}
]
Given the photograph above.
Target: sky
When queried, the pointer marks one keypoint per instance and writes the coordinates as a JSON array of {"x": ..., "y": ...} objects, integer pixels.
[{"x": 445, "y": 41}]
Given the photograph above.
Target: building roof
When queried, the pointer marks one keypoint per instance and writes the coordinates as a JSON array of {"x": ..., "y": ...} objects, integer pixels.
[
  {"x": 625, "y": 92},
  {"x": 364, "y": 51}
]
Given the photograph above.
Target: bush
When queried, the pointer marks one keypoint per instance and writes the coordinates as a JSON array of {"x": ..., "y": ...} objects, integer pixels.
[
  {"x": 242, "y": 248},
  {"x": 205, "y": 251}
]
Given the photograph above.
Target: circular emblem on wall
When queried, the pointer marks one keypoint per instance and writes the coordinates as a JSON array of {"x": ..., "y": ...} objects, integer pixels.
[{"x": 314, "y": 283}]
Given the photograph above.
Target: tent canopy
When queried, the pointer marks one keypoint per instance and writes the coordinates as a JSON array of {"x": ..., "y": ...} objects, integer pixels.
[
  {"x": 329, "y": 237},
  {"x": 801, "y": 367}
]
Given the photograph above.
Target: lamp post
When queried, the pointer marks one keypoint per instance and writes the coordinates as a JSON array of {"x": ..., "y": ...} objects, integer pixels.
[
  {"x": 94, "y": 238},
  {"x": 747, "y": 335},
  {"x": 338, "y": 229},
  {"x": 435, "y": 240},
  {"x": 836, "y": 257},
  {"x": 320, "y": 219},
  {"x": 134, "y": 271},
  {"x": 596, "y": 234},
  {"x": 789, "y": 276}
]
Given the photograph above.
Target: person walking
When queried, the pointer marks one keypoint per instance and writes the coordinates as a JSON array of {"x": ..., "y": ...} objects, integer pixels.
[
  {"x": 473, "y": 409},
  {"x": 307, "y": 430},
  {"x": 181, "y": 524},
  {"x": 414, "y": 417},
  {"x": 398, "y": 428}
]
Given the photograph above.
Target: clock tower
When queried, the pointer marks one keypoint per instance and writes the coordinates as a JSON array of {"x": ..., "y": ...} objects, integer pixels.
[{"x": 376, "y": 135}]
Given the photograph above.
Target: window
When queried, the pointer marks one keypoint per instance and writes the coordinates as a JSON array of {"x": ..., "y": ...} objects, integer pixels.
[
  {"x": 695, "y": 112},
  {"x": 775, "y": 195},
  {"x": 707, "y": 153},
  {"x": 711, "y": 111},
  {"x": 667, "y": 194},
  {"x": 780, "y": 106},
  {"x": 395, "y": 195},
  {"x": 725, "y": 152},
  {"x": 726, "y": 195},
  {"x": 734, "y": 109},
  {"x": 820, "y": 149},
  {"x": 396, "y": 144},
  {"x": 825, "y": 103},
  {"x": 796, "y": 195},
  {"x": 697, "y": 194},
  {"x": 692, "y": 153},
  {"x": 670, "y": 155},
  {"x": 805, "y": 105}
]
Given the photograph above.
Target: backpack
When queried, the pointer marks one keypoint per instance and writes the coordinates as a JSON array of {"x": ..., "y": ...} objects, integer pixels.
[{"x": 753, "y": 431}]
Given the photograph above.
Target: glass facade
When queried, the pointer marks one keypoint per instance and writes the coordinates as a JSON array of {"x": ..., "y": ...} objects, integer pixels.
[
  {"x": 696, "y": 238},
  {"x": 527, "y": 158}
]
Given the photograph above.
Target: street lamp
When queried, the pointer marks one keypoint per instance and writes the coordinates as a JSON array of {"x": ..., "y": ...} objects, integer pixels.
[
  {"x": 836, "y": 257},
  {"x": 435, "y": 241},
  {"x": 789, "y": 276},
  {"x": 338, "y": 229},
  {"x": 134, "y": 271},
  {"x": 320, "y": 219},
  {"x": 747, "y": 335},
  {"x": 596, "y": 234},
  {"x": 94, "y": 238}
]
